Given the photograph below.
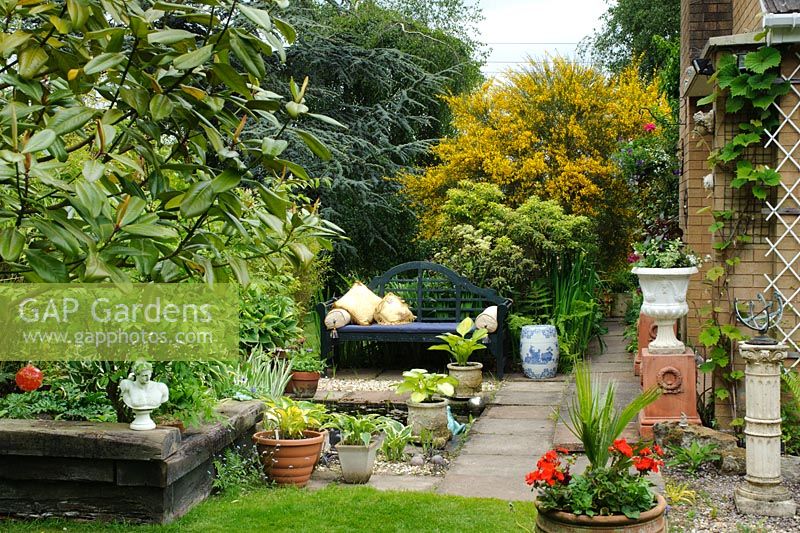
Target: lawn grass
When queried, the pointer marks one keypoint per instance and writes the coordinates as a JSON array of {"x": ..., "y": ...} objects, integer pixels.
[{"x": 334, "y": 508}]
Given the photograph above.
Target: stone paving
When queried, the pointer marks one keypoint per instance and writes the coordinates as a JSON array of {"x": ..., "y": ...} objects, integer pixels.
[{"x": 519, "y": 424}]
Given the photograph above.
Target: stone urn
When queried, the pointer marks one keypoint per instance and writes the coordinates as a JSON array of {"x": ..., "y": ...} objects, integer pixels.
[
  {"x": 429, "y": 418},
  {"x": 652, "y": 521},
  {"x": 664, "y": 291},
  {"x": 470, "y": 379}
]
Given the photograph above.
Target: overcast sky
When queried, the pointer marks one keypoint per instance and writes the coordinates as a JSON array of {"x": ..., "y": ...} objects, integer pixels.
[{"x": 514, "y": 29}]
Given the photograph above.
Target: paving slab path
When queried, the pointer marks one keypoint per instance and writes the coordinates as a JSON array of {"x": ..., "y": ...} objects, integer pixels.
[{"x": 520, "y": 424}]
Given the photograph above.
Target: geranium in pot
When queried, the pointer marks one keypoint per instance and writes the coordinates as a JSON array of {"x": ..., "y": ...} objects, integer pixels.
[
  {"x": 607, "y": 495},
  {"x": 460, "y": 347},
  {"x": 358, "y": 446},
  {"x": 306, "y": 371},
  {"x": 289, "y": 446},
  {"x": 664, "y": 268},
  {"x": 426, "y": 414}
]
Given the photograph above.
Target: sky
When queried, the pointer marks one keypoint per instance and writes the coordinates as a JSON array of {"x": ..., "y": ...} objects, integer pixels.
[{"x": 514, "y": 29}]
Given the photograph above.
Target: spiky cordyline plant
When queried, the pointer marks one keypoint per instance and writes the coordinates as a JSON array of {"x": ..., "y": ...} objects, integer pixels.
[{"x": 593, "y": 417}]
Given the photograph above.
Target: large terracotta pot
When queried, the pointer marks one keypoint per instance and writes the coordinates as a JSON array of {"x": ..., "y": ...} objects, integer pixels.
[
  {"x": 470, "y": 378},
  {"x": 652, "y": 521},
  {"x": 288, "y": 461},
  {"x": 430, "y": 417},
  {"x": 664, "y": 291},
  {"x": 303, "y": 384},
  {"x": 357, "y": 461}
]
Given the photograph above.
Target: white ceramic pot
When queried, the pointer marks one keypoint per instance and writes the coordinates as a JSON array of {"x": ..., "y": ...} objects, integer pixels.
[
  {"x": 357, "y": 461},
  {"x": 538, "y": 347},
  {"x": 664, "y": 291},
  {"x": 470, "y": 379}
]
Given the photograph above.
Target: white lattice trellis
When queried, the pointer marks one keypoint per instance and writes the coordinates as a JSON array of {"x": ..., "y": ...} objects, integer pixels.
[{"x": 788, "y": 262}]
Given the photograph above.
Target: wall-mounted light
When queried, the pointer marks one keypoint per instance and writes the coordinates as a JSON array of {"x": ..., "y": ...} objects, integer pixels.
[
  {"x": 703, "y": 66},
  {"x": 740, "y": 61}
]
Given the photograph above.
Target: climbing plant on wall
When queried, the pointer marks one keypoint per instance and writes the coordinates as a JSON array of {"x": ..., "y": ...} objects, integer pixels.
[{"x": 751, "y": 92}]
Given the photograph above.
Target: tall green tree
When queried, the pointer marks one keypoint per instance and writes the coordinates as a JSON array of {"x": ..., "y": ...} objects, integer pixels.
[
  {"x": 380, "y": 73},
  {"x": 643, "y": 29}
]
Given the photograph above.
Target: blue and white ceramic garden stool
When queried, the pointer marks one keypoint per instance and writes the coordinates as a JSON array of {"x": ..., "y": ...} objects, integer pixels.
[{"x": 539, "y": 351}]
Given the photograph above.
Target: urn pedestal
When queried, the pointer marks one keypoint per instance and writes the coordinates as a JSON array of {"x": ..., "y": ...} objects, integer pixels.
[{"x": 676, "y": 375}]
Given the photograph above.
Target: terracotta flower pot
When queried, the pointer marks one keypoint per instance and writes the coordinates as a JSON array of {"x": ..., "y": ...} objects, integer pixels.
[
  {"x": 652, "y": 521},
  {"x": 469, "y": 378},
  {"x": 303, "y": 384},
  {"x": 288, "y": 461},
  {"x": 430, "y": 417}
]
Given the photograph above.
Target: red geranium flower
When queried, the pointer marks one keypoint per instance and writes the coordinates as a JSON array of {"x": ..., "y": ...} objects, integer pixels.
[
  {"x": 649, "y": 127},
  {"x": 622, "y": 446}
]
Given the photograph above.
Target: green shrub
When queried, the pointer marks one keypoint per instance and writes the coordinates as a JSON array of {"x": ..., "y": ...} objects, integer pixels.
[
  {"x": 691, "y": 458},
  {"x": 503, "y": 248},
  {"x": 267, "y": 319},
  {"x": 237, "y": 469}
]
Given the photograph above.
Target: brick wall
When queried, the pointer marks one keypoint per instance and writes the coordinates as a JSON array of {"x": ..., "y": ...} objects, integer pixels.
[
  {"x": 701, "y": 19},
  {"x": 746, "y": 16}
]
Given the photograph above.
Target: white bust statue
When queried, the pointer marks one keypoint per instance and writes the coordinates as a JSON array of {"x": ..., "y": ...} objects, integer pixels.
[{"x": 142, "y": 395}]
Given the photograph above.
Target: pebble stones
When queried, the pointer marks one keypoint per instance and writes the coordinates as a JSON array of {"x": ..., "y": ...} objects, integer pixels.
[{"x": 417, "y": 460}]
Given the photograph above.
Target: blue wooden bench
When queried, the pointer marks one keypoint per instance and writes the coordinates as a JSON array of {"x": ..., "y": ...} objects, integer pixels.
[{"x": 438, "y": 297}]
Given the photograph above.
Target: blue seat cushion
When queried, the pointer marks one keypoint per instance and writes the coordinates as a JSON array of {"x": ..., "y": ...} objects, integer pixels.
[{"x": 430, "y": 328}]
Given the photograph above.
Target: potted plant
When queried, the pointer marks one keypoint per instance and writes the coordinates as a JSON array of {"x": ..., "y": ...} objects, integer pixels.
[
  {"x": 664, "y": 268},
  {"x": 426, "y": 414},
  {"x": 358, "y": 446},
  {"x": 584, "y": 501},
  {"x": 306, "y": 371},
  {"x": 289, "y": 446},
  {"x": 460, "y": 347}
]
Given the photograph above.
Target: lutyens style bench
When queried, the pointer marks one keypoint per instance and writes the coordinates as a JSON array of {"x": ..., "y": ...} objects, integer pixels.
[{"x": 440, "y": 299}]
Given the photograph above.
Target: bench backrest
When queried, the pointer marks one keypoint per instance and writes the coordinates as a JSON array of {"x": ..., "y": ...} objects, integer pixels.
[{"x": 434, "y": 292}]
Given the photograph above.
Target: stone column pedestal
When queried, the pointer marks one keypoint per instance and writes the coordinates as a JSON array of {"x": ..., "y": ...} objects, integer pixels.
[
  {"x": 762, "y": 492},
  {"x": 676, "y": 375}
]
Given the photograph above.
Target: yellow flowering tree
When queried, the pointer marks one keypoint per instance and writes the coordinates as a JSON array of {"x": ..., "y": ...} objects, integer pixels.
[{"x": 549, "y": 131}]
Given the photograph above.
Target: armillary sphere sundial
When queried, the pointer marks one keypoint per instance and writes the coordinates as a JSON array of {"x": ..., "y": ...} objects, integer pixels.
[{"x": 769, "y": 315}]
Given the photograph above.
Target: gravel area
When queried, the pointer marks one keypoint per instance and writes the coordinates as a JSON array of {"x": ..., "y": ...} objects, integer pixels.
[
  {"x": 377, "y": 384},
  {"x": 713, "y": 509},
  {"x": 332, "y": 467}
]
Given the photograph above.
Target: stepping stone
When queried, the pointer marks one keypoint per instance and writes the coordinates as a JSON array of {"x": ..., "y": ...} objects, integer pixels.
[
  {"x": 540, "y": 428},
  {"x": 528, "y": 398},
  {"x": 520, "y": 445},
  {"x": 492, "y": 465},
  {"x": 517, "y": 412}
]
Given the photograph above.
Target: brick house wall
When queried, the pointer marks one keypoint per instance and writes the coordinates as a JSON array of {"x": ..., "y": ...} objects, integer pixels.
[{"x": 760, "y": 262}]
